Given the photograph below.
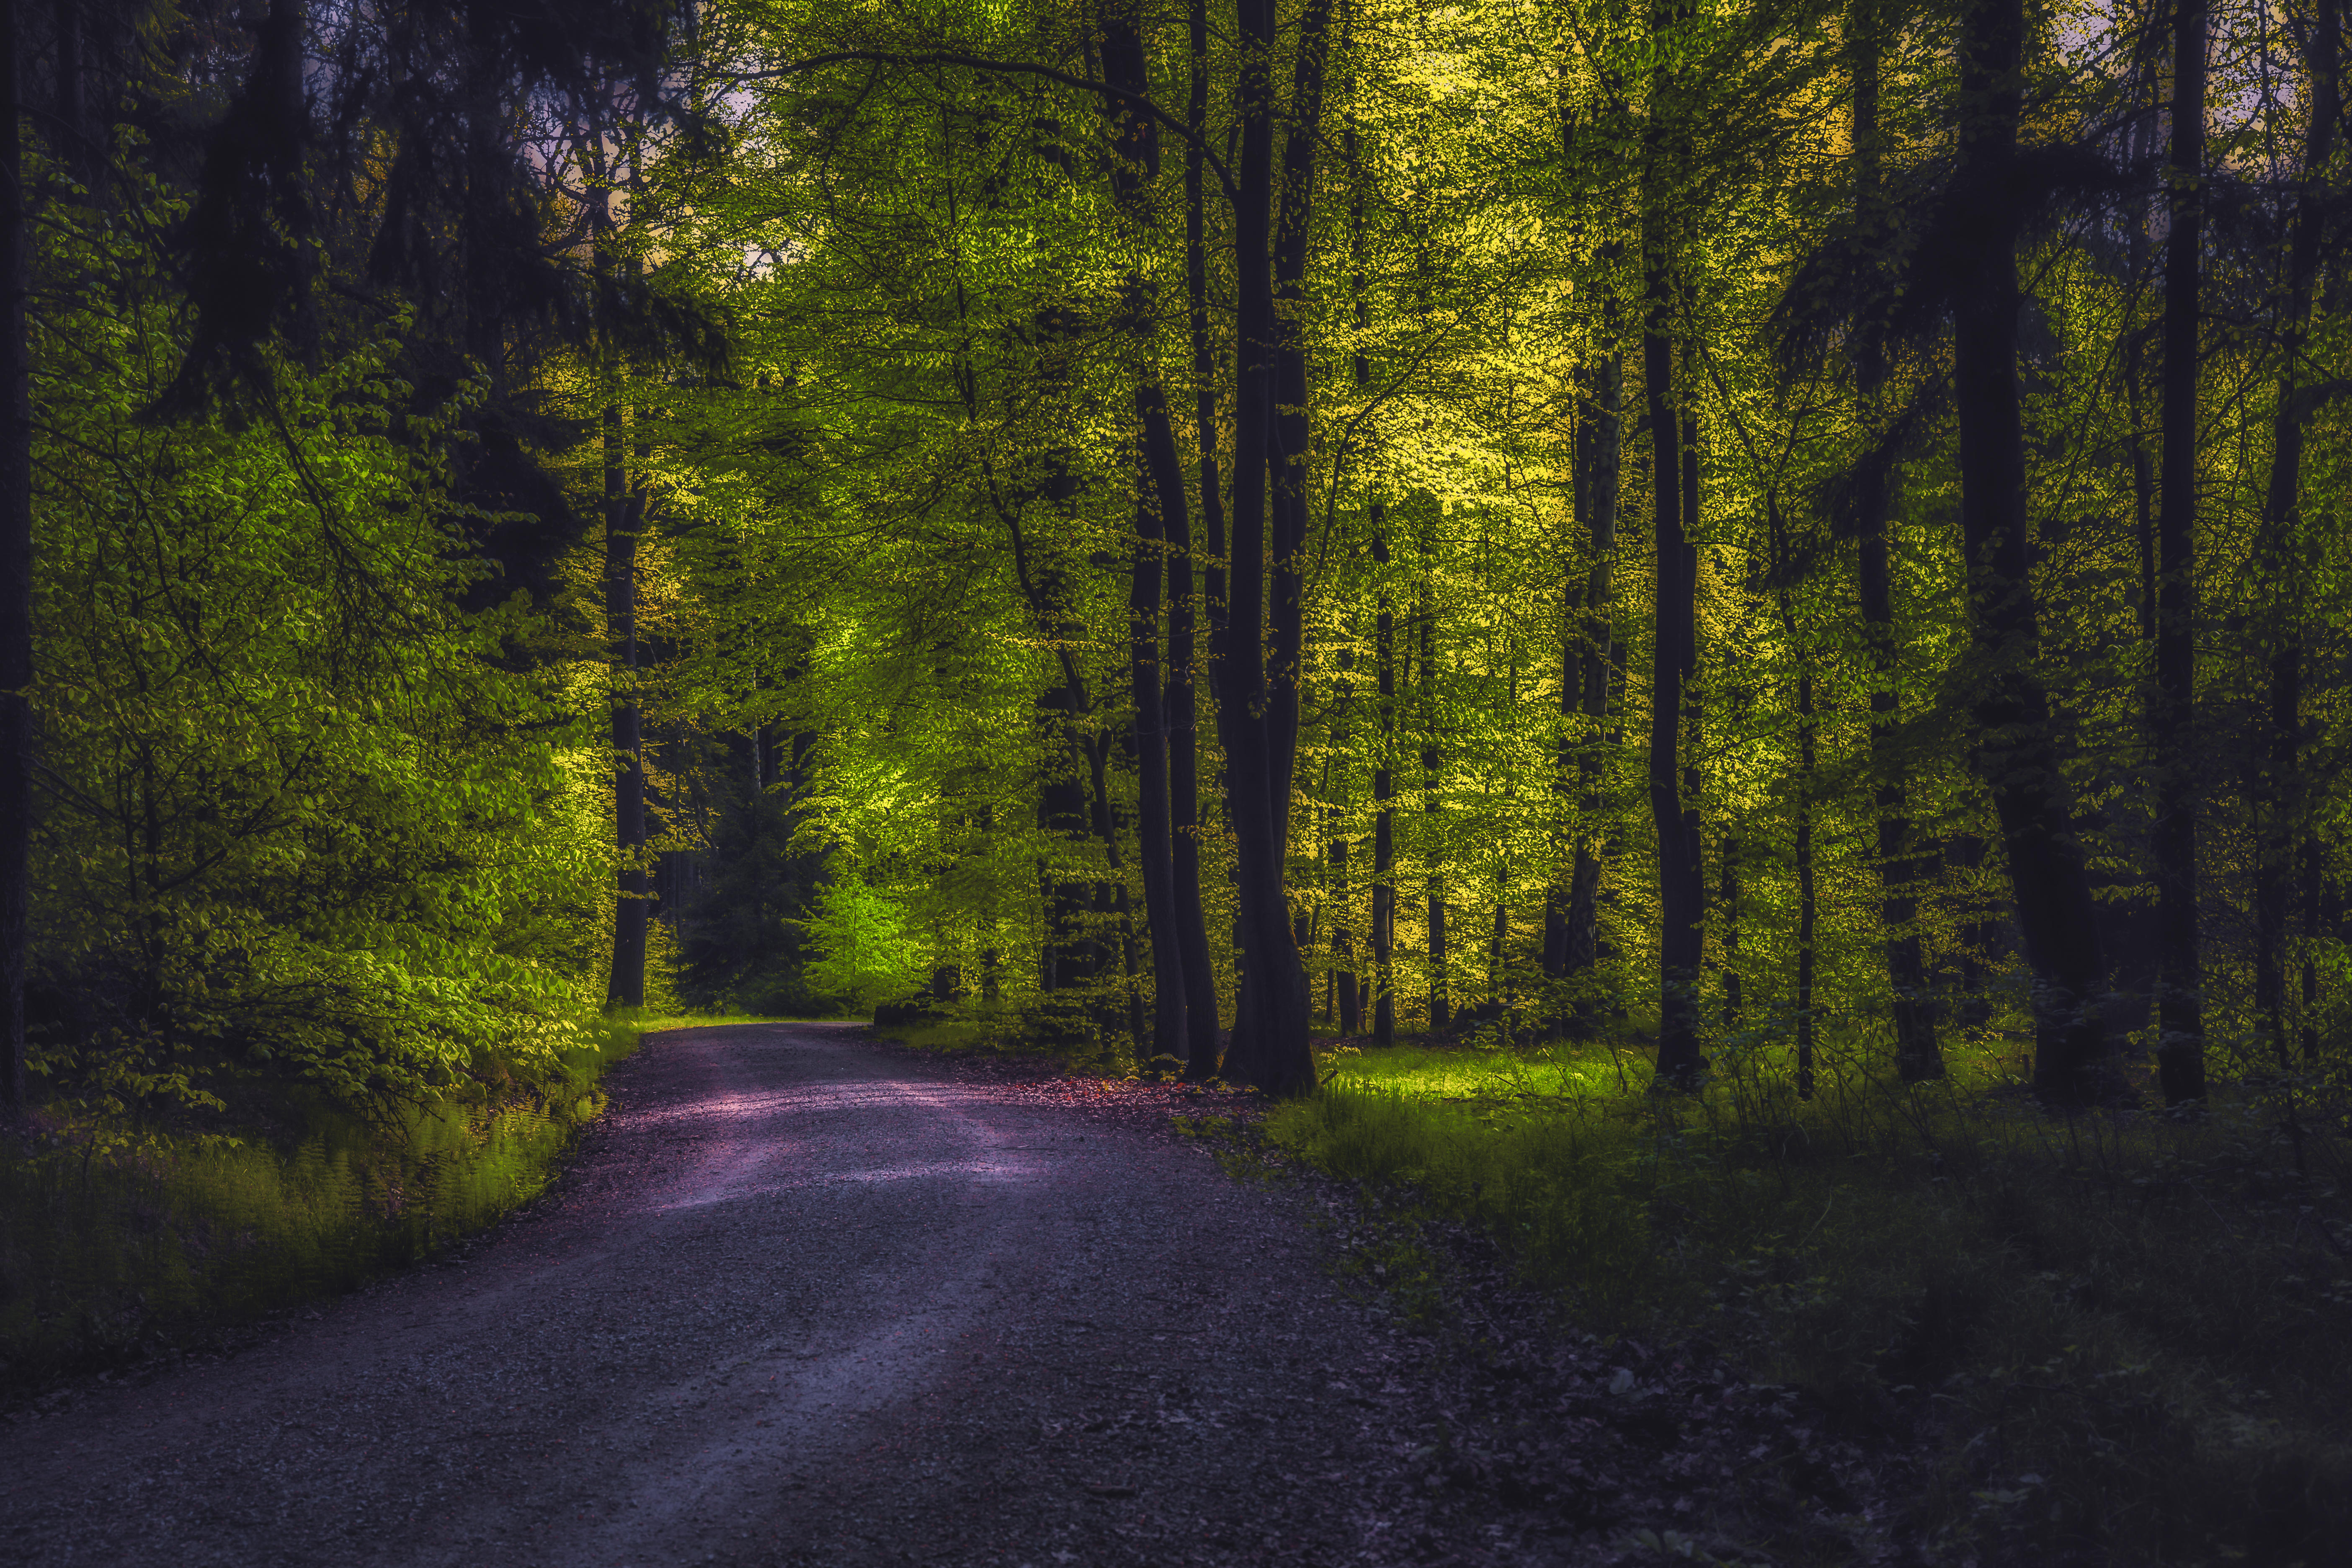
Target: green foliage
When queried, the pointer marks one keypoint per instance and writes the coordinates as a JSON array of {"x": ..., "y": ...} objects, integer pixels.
[
  {"x": 302, "y": 820},
  {"x": 865, "y": 953}
]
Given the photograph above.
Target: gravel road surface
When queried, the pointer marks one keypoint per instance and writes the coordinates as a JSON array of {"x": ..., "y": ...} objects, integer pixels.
[{"x": 803, "y": 1300}]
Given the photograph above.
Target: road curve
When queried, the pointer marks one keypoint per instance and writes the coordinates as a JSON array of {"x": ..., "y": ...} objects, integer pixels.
[{"x": 801, "y": 1300}]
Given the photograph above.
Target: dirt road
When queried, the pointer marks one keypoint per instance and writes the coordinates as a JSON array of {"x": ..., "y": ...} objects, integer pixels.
[{"x": 803, "y": 1301}]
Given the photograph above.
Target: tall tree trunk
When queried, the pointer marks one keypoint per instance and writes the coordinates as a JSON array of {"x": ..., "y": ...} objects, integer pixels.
[
  {"x": 624, "y": 515},
  {"x": 1338, "y": 893},
  {"x": 1432, "y": 757},
  {"x": 1155, "y": 853},
  {"x": 1917, "y": 1055},
  {"x": 1681, "y": 892},
  {"x": 2017, "y": 751},
  {"x": 1733, "y": 997},
  {"x": 1202, "y": 1047},
  {"x": 1379, "y": 991},
  {"x": 1384, "y": 798},
  {"x": 1270, "y": 1048},
  {"x": 16, "y": 572},
  {"x": 2284, "y": 826},
  {"x": 1807, "y": 908},
  {"x": 1288, "y": 458},
  {"x": 1159, "y": 496},
  {"x": 1600, "y": 438},
  {"x": 2180, "y": 1056}
]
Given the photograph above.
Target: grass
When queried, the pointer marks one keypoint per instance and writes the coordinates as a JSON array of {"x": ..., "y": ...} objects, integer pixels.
[
  {"x": 117, "y": 1241},
  {"x": 2124, "y": 1333}
]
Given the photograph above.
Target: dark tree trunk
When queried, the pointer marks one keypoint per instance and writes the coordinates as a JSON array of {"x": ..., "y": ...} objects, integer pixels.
[
  {"x": 15, "y": 573},
  {"x": 1806, "y": 906},
  {"x": 1384, "y": 799},
  {"x": 1159, "y": 496},
  {"x": 2016, "y": 750},
  {"x": 1733, "y": 998},
  {"x": 1343, "y": 947},
  {"x": 624, "y": 516},
  {"x": 1270, "y": 1047},
  {"x": 2180, "y": 1056},
  {"x": 1917, "y": 1055},
  {"x": 1681, "y": 892},
  {"x": 1201, "y": 1049},
  {"x": 1288, "y": 456},
  {"x": 2285, "y": 827},
  {"x": 1155, "y": 851},
  {"x": 1498, "y": 971},
  {"x": 1600, "y": 437},
  {"x": 1432, "y": 757}
]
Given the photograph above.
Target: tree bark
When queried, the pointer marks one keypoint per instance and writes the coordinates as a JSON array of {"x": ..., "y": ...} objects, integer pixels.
[
  {"x": 1681, "y": 892},
  {"x": 2180, "y": 1054},
  {"x": 2016, "y": 750},
  {"x": 1202, "y": 1047},
  {"x": 1807, "y": 907},
  {"x": 1432, "y": 757},
  {"x": 2284, "y": 837},
  {"x": 1600, "y": 443},
  {"x": 1270, "y": 1048},
  {"x": 624, "y": 515},
  {"x": 1917, "y": 1055},
  {"x": 1384, "y": 798},
  {"x": 1155, "y": 852},
  {"x": 1288, "y": 455},
  {"x": 1159, "y": 496},
  {"x": 15, "y": 573}
]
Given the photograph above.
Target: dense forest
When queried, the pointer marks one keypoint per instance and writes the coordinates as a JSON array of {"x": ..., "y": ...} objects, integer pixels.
[
  {"x": 1710, "y": 636},
  {"x": 1757, "y": 525}
]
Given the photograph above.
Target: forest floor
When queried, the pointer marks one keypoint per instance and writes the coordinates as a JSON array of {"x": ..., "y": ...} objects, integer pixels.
[{"x": 805, "y": 1297}]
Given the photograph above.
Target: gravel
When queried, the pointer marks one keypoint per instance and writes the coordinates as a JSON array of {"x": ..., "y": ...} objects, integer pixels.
[{"x": 804, "y": 1299}]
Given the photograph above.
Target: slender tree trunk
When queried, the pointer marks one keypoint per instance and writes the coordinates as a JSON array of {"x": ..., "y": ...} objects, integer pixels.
[
  {"x": 1497, "y": 983},
  {"x": 2285, "y": 827},
  {"x": 1682, "y": 893},
  {"x": 1183, "y": 684},
  {"x": 1270, "y": 1050},
  {"x": 1733, "y": 998},
  {"x": 1155, "y": 851},
  {"x": 15, "y": 573},
  {"x": 1160, "y": 495},
  {"x": 1380, "y": 990},
  {"x": 1694, "y": 698},
  {"x": 2180, "y": 1057},
  {"x": 1807, "y": 908},
  {"x": 624, "y": 515},
  {"x": 1441, "y": 1007},
  {"x": 2323, "y": 913},
  {"x": 1917, "y": 1055},
  {"x": 2016, "y": 750},
  {"x": 1288, "y": 456},
  {"x": 1599, "y": 459},
  {"x": 1384, "y": 799}
]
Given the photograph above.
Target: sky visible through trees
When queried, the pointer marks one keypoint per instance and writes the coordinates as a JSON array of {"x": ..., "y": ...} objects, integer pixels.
[{"x": 1757, "y": 530}]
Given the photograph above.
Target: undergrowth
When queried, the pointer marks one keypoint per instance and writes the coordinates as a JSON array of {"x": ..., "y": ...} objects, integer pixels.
[
  {"x": 121, "y": 1235},
  {"x": 2124, "y": 1333}
]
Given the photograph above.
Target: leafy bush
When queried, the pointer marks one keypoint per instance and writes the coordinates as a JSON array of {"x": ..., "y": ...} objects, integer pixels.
[
  {"x": 303, "y": 818},
  {"x": 864, "y": 952}
]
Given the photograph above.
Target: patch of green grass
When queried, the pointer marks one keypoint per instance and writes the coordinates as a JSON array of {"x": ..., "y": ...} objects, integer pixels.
[
  {"x": 976, "y": 1033},
  {"x": 117, "y": 1239},
  {"x": 642, "y": 1026},
  {"x": 2126, "y": 1332}
]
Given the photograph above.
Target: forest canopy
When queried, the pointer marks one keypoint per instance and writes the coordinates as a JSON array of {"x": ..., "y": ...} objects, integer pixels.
[{"x": 1749, "y": 530}]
